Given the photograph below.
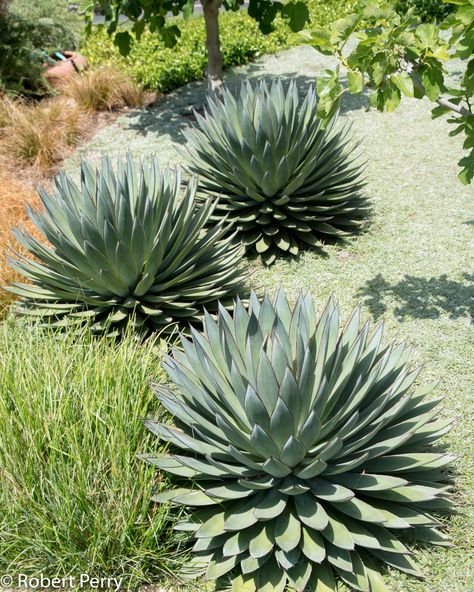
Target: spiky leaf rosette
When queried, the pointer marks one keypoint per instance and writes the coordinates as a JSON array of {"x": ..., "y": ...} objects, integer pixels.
[
  {"x": 282, "y": 179},
  {"x": 126, "y": 246},
  {"x": 306, "y": 446}
]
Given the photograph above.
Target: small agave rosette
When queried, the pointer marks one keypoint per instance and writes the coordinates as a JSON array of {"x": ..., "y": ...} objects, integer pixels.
[
  {"x": 130, "y": 247},
  {"x": 283, "y": 181},
  {"x": 303, "y": 449}
]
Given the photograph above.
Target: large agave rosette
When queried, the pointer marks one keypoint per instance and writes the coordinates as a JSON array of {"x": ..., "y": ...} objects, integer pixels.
[{"x": 303, "y": 448}]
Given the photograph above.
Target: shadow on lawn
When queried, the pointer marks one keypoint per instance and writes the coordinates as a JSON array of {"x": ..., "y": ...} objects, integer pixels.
[
  {"x": 172, "y": 113},
  {"x": 421, "y": 298}
]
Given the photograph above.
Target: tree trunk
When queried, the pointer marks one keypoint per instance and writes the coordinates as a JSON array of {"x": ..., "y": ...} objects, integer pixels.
[{"x": 214, "y": 57}]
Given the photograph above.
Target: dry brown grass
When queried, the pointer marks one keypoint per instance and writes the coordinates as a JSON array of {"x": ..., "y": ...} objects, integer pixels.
[
  {"x": 15, "y": 196},
  {"x": 35, "y": 138},
  {"x": 103, "y": 89},
  {"x": 40, "y": 134}
]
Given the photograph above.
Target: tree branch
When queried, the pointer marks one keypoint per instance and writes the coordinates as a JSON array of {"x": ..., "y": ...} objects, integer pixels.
[{"x": 446, "y": 103}]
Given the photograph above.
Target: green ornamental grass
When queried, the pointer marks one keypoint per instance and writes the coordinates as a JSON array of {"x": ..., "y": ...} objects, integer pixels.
[{"x": 74, "y": 497}]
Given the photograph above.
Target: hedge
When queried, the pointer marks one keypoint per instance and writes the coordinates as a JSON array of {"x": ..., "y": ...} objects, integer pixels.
[{"x": 164, "y": 69}]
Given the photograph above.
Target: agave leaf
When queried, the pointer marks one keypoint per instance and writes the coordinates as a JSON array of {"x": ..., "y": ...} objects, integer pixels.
[
  {"x": 212, "y": 527},
  {"x": 358, "y": 578},
  {"x": 299, "y": 575},
  {"x": 243, "y": 515},
  {"x": 243, "y": 583},
  {"x": 287, "y": 531},
  {"x": 219, "y": 566},
  {"x": 357, "y": 508},
  {"x": 367, "y": 482},
  {"x": 322, "y": 579},
  {"x": 401, "y": 562},
  {"x": 270, "y": 577},
  {"x": 338, "y": 534},
  {"x": 329, "y": 491},
  {"x": 287, "y": 559},
  {"x": 316, "y": 467},
  {"x": 251, "y": 564},
  {"x": 340, "y": 558},
  {"x": 238, "y": 543},
  {"x": 409, "y": 462},
  {"x": 313, "y": 545},
  {"x": 310, "y": 512},
  {"x": 271, "y": 505},
  {"x": 293, "y": 452},
  {"x": 262, "y": 542}
]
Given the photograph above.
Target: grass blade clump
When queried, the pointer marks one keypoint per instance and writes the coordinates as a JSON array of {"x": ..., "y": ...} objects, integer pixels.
[{"x": 74, "y": 498}]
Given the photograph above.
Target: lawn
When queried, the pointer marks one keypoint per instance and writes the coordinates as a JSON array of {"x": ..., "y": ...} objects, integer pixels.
[{"x": 412, "y": 266}]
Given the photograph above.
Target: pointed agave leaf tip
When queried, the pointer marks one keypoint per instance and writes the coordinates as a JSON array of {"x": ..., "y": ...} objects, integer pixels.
[{"x": 311, "y": 471}]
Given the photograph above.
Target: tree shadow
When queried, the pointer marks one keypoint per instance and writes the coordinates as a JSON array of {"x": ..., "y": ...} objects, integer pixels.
[{"x": 421, "y": 298}]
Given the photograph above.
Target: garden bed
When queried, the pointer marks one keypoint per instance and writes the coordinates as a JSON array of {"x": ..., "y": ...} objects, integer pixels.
[{"x": 411, "y": 266}]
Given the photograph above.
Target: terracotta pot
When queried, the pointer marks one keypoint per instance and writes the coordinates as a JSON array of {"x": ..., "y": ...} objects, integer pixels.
[{"x": 74, "y": 63}]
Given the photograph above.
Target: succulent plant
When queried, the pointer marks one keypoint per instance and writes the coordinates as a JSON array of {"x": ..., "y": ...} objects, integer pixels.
[
  {"x": 283, "y": 180},
  {"x": 125, "y": 247},
  {"x": 304, "y": 448}
]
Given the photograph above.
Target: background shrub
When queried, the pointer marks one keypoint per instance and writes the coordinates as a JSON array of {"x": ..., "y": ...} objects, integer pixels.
[
  {"x": 19, "y": 72},
  {"x": 26, "y": 30},
  {"x": 164, "y": 69},
  {"x": 74, "y": 496},
  {"x": 428, "y": 10},
  {"x": 51, "y": 24}
]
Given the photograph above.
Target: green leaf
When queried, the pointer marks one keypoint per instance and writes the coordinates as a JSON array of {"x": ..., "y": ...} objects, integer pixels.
[
  {"x": 243, "y": 583},
  {"x": 427, "y": 34},
  {"x": 404, "y": 83},
  {"x": 297, "y": 13},
  {"x": 439, "y": 111},
  {"x": 342, "y": 28},
  {"x": 271, "y": 505},
  {"x": 312, "y": 545},
  {"x": 379, "y": 66},
  {"x": 123, "y": 40},
  {"x": 219, "y": 566},
  {"x": 467, "y": 173},
  {"x": 262, "y": 542},
  {"x": 356, "y": 81},
  {"x": 311, "y": 512},
  {"x": 433, "y": 81},
  {"x": 338, "y": 534},
  {"x": 322, "y": 579},
  {"x": 188, "y": 9}
]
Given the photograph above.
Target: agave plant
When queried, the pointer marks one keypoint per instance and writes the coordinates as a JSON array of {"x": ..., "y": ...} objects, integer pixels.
[
  {"x": 306, "y": 446},
  {"x": 125, "y": 247},
  {"x": 284, "y": 181}
]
